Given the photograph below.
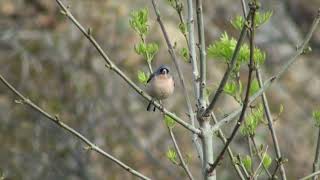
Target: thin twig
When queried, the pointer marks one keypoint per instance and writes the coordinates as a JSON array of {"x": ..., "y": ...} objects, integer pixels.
[
  {"x": 243, "y": 167},
  {"x": 310, "y": 176},
  {"x": 316, "y": 157},
  {"x": 270, "y": 125},
  {"x": 182, "y": 162},
  {"x": 260, "y": 164},
  {"x": 250, "y": 151},
  {"x": 57, "y": 121},
  {"x": 222, "y": 137},
  {"x": 114, "y": 68},
  {"x": 229, "y": 69},
  {"x": 253, "y": 8},
  {"x": 182, "y": 21},
  {"x": 259, "y": 156}
]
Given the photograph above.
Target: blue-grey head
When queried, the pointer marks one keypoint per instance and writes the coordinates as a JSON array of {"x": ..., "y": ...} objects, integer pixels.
[{"x": 163, "y": 69}]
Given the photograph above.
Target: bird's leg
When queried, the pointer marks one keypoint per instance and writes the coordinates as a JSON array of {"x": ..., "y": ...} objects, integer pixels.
[
  {"x": 161, "y": 106},
  {"x": 154, "y": 108},
  {"x": 149, "y": 105}
]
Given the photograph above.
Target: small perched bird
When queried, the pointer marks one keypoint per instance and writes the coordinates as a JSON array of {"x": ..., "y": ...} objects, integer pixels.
[{"x": 160, "y": 85}]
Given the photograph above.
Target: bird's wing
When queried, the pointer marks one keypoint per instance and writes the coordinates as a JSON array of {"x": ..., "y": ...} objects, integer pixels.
[{"x": 150, "y": 77}]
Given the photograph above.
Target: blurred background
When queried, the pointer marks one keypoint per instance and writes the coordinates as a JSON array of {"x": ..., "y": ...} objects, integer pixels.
[{"x": 48, "y": 60}]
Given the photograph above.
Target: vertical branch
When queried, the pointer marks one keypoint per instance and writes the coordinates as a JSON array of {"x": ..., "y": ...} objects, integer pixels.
[
  {"x": 316, "y": 157},
  {"x": 202, "y": 49},
  {"x": 195, "y": 73},
  {"x": 192, "y": 49},
  {"x": 268, "y": 113},
  {"x": 181, "y": 77},
  {"x": 253, "y": 8}
]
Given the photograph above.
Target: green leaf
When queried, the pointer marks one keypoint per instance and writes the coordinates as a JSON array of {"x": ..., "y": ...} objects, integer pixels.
[
  {"x": 183, "y": 28},
  {"x": 139, "y": 21},
  {"x": 169, "y": 121},
  {"x": 184, "y": 52},
  {"x": 254, "y": 87},
  {"x": 247, "y": 162},
  {"x": 223, "y": 48},
  {"x": 172, "y": 155},
  {"x": 259, "y": 56},
  {"x": 230, "y": 88},
  {"x": 316, "y": 117},
  {"x": 237, "y": 23},
  {"x": 148, "y": 51},
  {"x": 248, "y": 128},
  {"x": 267, "y": 160},
  {"x": 152, "y": 49},
  {"x": 142, "y": 77},
  {"x": 260, "y": 19},
  {"x": 172, "y": 3},
  {"x": 281, "y": 108}
]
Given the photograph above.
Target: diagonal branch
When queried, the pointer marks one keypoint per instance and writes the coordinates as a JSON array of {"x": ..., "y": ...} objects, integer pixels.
[
  {"x": 57, "y": 121},
  {"x": 182, "y": 162},
  {"x": 310, "y": 175},
  {"x": 229, "y": 69},
  {"x": 275, "y": 77},
  {"x": 268, "y": 113},
  {"x": 253, "y": 8},
  {"x": 114, "y": 68},
  {"x": 175, "y": 61}
]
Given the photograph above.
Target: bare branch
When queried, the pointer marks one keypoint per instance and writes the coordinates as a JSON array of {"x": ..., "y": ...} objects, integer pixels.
[
  {"x": 270, "y": 125},
  {"x": 57, "y": 121},
  {"x": 176, "y": 146},
  {"x": 114, "y": 68},
  {"x": 310, "y": 176},
  {"x": 203, "y": 62}
]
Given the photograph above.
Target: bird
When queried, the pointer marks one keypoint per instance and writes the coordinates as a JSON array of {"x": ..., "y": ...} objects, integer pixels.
[{"x": 160, "y": 85}]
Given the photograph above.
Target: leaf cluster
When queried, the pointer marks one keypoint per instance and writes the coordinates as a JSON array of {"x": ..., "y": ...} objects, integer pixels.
[
  {"x": 171, "y": 154},
  {"x": 260, "y": 19},
  {"x": 147, "y": 50},
  {"x": 224, "y": 48},
  {"x": 139, "y": 21},
  {"x": 316, "y": 117},
  {"x": 248, "y": 128}
]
